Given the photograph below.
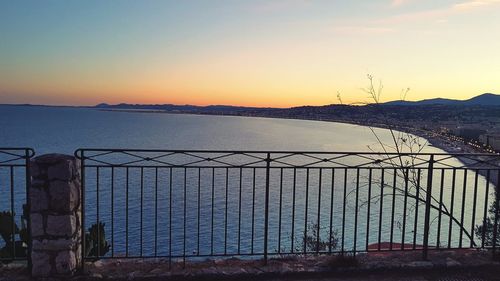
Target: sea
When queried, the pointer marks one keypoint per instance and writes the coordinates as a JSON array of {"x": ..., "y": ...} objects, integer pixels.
[{"x": 176, "y": 213}]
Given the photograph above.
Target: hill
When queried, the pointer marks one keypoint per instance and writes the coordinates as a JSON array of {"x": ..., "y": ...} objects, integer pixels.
[{"x": 486, "y": 99}]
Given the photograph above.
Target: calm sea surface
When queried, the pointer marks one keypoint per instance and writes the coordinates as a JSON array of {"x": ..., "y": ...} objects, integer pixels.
[
  {"x": 62, "y": 130},
  {"x": 165, "y": 225}
]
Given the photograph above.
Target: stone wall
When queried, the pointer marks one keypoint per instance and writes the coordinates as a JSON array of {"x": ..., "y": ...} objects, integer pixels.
[{"x": 55, "y": 215}]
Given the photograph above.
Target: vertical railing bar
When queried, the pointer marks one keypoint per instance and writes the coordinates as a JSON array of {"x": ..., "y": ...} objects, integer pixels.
[
  {"x": 28, "y": 201},
  {"x": 266, "y": 207},
  {"x": 304, "y": 239},
  {"x": 497, "y": 214},
  {"x": 142, "y": 210},
  {"x": 330, "y": 244},
  {"x": 474, "y": 205},
  {"x": 485, "y": 211},
  {"x": 82, "y": 181},
  {"x": 184, "y": 219},
  {"x": 356, "y": 214},
  {"x": 430, "y": 173},
  {"x": 441, "y": 189},
  {"x": 417, "y": 202},
  {"x": 319, "y": 210},
  {"x": 112, "y": 211},
  {"x": 293, "y": 209},
  {"x": 213, "y": 212},
  {"x": 239, "y": 210},
  {"x": 344, "y": 209},
  {"x": 199, "y": 212},
  {"x": 405, "y": 205},
  {"x": 280, "y": 210},
  {"x": 170, "y": 176},
  {"x": 225, "y": 216},
  {"x": 253, "y": 212},
  {"x": 368, "y": 207},
  {"x": 13, "y": 222},
  {"x": 393, "y": 207},
  {"x": 126, "y": 209},
  {"x": 463, "y": 209},
  {"x": 450, "y": 224},
  {"x": 156, "y": 212},
  {"x": 381, "y": 208},
  {"x": 97, "y": 213}
]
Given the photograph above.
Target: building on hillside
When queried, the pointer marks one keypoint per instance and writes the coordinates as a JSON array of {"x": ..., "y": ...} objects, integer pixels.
[
  {"x": 469, "y": 133},
  {"x": 491, "y": 140}
]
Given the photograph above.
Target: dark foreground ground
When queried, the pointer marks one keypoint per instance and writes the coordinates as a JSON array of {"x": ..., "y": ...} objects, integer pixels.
[{"x": 443, "y": 265}]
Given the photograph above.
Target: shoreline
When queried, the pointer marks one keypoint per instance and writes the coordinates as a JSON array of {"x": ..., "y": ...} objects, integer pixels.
[{"x": 433, "y": 139}]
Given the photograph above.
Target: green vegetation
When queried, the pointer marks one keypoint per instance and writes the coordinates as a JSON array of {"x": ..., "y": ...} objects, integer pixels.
[
  {"x": 313, "y": 242},
  {"x": 487, "y": 230},
  {"x": 95, "y": 241},
  {"x": 8, "y": 230}
]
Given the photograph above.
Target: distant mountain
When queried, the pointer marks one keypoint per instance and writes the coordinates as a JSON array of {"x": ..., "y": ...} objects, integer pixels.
[
  {"x": 484, "y": 99},
  {"x": 179, "y": 108}
]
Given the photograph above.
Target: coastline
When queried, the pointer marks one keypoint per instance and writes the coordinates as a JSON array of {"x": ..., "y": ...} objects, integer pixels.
[{"x": 433, "y": 139}]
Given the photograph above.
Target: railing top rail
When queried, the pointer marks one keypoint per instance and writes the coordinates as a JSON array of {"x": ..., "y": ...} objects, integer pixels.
[
  {"x": 14, "y": 155},
  {"x": 31, "y": 151},
  {"x": 79, "y": 150}
]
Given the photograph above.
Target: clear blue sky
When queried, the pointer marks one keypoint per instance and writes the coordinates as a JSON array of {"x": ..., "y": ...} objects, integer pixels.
[{"x": 275, "y": 52}]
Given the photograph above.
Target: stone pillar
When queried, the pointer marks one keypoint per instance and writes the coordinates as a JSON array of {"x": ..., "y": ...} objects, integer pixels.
[{"x": 55, "y": 215}]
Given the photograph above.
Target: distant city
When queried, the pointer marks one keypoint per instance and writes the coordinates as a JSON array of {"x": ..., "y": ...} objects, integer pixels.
[{"x": 475, "y": 122}]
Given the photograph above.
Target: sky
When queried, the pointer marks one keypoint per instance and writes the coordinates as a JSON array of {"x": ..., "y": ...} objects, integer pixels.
[{"x": 277, "y": 53}]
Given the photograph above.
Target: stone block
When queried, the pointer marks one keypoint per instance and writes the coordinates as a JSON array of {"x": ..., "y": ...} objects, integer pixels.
[
  {"x": 37, "y": 225},
  {"x": 39, "y": 200},
  {"x": 53, "y": 158},
  {"x": 39, "y": 184},
  {"x": 64, "y": 225},
  {"x": 78, "y": 254},
  {"x": 63, "y": 170},
  {"x": 64, "y": 196},
  {"x": 54, "y": 245},
  {"x": 65, "y": 262},
  {"x": 35, "y": 170},
  {"x": 40, "y": 264}
]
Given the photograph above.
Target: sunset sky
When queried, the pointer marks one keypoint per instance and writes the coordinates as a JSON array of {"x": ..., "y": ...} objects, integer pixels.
[{"x": 256, "y": 53}]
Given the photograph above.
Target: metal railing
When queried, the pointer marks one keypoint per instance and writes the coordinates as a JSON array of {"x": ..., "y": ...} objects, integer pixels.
[
  {"x": 14, "y": 221},
  {"x": 181, "y": 204}
]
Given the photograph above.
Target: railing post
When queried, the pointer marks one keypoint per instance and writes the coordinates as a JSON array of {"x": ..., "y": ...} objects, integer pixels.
[
  {"x": 55, "y": 213},
  {"x": 496, "y": 214},
  {"x": 266, "y": 220},
  {"x": 28, "y": 156},
  {"x": 428, "y": 199},
  {"x": 82, "y": 207}
]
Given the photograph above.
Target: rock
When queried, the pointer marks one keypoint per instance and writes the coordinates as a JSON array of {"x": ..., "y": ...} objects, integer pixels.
[
  {"x": 95, "y": 276},
  {"x": 64, "y": 196},
  {"x": 40, "y": 264},
  {"x": 220, "y": 262},
  {"x": 37, "y": 225},
  {"x": 61, "y": 225},
  {"x": 156, "y": 271},
  {"x": 210, "y": 270},
  {"x": 420, "y": 264},
  {"x": 133, "y": 275},
  {"x": 65, "y": 262},
  {"x": 452, "y": 263},
  {"x": 39, "y": 200},
  {"x": 98, "y": 264}
]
